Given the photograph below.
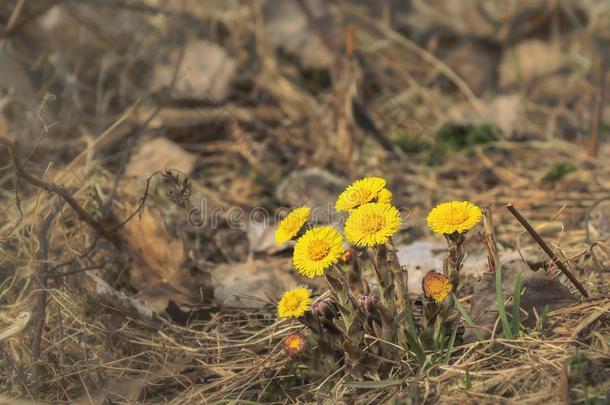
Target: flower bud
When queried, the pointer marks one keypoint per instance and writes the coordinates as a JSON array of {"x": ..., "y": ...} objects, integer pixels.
[
  {"x": 324, "y": 309},
  {"x": 368, "y": 302}
]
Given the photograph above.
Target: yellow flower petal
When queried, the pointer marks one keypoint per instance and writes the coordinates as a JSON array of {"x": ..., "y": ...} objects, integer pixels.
[
  {"x": 360, "y": 192},
  {"x": 318, "y": 249},
  {"x": 372, "y": 224},
  {"x": 454, "y": 216},
  {"x": 294, "y": 303},
  {"x": 290, "y": 226},
  {"x": 384, "y": 196}
]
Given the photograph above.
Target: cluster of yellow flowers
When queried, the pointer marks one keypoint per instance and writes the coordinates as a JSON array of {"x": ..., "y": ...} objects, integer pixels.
[{"x": 372, "y": 221}]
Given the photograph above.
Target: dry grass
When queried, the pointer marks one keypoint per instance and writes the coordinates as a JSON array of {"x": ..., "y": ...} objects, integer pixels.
[{"x": 96, "y": 349}]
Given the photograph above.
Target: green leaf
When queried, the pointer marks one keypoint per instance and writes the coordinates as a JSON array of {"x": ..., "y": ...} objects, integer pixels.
[
  {"x": 467, "y": 318},
  {"x": 415, "y": 346},
  {"x": 558, "y": 171},
  {"x": 451, "y": 343}
]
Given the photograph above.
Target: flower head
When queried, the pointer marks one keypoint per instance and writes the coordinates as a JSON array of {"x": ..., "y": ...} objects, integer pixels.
[
  {"x": 372, "y": 224},
  {"x": 368, "y": 302},
  {"x": 360, "y": 192},
  {"x": 454, "y": 216},
  {"x": 294, "y": 303},
  {"x": 318, "y": 249},
  {"x": 294, "y": 344},
  {"x": 436, "y": 286},
  {"x": 291, "y": 224},
  {"x": 384, "y": 196}
]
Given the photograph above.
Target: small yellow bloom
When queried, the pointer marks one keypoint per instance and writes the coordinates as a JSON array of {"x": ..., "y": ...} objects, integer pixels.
[
  {"x": 436, "y": 286},
  {"x": 318, "y": 249},
  {"x": 294, "y": 344},
  {"x": 384, "y": 196},
  {"x": 360, "y": 192},
  {"x": 290, "y": 226},
  {"x": 294, "y": 303},
  {"x": 454, "y": 216},
  {"x": 372, "y": 224}
]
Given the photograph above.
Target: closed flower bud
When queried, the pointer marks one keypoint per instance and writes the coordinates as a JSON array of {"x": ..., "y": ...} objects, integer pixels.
[
  {"x": 368, "y": 302},
  {"x": 324, "y": 309}
]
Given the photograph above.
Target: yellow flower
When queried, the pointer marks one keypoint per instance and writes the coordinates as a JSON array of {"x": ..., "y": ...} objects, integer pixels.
[
  {"x": 294, "y": 303},
  {"x": 360, "y": 192},
  {"x": 318, "y": 249},
  {"x": 384, "y": 196},
  {"x": 372, "y": 224},
  {"x": 294, "y": 344},
  {"x": 454, "y": 216},
  {"x": 436, "y": 286},
  {"x": 291, "y": 224}
]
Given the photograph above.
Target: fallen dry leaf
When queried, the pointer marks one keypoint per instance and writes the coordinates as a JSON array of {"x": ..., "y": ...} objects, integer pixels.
[
  {"x": 507, "y": 112},
  {"x": 287, "y": 27},
  {"x": 206, "y": 72},
  {"x": 157, "y": 154},
  {"x": 263, "y": 279},
  {"x": 158, "y": 271},
  {"x": 527, "y": 61}
]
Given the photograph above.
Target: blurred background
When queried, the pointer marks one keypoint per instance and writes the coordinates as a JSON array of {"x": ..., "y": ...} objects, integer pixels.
[
  {"x": 275, "y": 104},
  {"x": 228, "y": 111}
]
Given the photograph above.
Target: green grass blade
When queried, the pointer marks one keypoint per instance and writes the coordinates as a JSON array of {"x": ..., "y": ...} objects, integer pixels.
[
  {"x": 415, "y": 347},
  {"x": 516, "y": 305},
  {"x": 467, "y": 318},
  {"x": 451, "y": 343},
  {"x": 508, "y": 334}
]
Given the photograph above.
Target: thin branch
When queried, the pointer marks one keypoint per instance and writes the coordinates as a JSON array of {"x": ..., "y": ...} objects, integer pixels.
[
  {"x": 547, "y": 249},
  {"x": 58, "y": 189}
]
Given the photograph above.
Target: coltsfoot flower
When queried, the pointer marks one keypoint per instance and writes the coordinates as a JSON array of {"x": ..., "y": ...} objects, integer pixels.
[
  {"x": 318, "y": 249},
  {"x": 436, "y": 286},
  {"x": 294, "y": 303},
  {"x": 294, "y": 344},
  {"x": 290, "y": 226},
  {"x": 360, "y": 192},
  {"x": 453, "y": 216},
  {"x": 372, "y": 224}
]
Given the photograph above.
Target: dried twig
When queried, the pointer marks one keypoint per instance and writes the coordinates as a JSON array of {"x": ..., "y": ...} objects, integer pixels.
[
  {"x": 57, "y": 189},
  {"x": 547, "y": 249},
  {"x": 490, "y": 239}
]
